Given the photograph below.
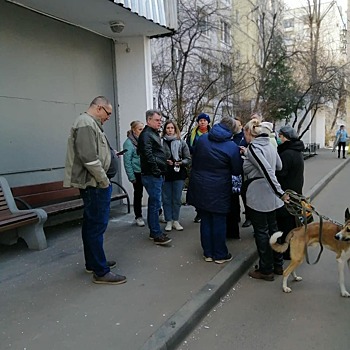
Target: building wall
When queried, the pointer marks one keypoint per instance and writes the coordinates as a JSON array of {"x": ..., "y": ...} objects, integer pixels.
[
  {"x": 134, "y": 75},
  {"x": 50, "y": 72}
]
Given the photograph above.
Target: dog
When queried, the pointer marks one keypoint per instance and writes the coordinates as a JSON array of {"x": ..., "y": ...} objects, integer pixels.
[{"x": 334, "y": 237}]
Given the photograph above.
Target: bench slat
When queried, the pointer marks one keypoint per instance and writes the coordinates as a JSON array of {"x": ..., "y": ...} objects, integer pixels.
[
  {"x": 74, "y": 205},
  {"x": 45, "y": 198},
  {"x": 16, "y": 220},
  {"x": 33, "y": 189},
  {"x": 54, "y": 198}
]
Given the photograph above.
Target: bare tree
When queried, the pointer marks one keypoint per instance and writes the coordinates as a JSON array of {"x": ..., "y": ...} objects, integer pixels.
[
  {"x": 319, "y": 71},
  {"x": 194, "y": 70}
]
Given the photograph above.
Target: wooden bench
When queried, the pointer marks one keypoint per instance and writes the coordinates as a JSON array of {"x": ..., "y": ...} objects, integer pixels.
[
  {"x": 26, "y": 224},
  {"x": 56, "y": 199}
]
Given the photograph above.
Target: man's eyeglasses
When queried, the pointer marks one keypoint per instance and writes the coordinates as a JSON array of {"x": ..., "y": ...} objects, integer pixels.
[{"x": 108, "y": 113}]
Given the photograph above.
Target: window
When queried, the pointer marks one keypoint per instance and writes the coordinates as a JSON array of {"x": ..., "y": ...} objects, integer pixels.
[
  {"x": 174, "y": 57},
  {"x": 288, "y": 23},
  {"x": 226, "y": 73},
  {"x": 205, "y": 67},
  {"x": 225, "y": 32},
  {"x": 203, "y": 22}
]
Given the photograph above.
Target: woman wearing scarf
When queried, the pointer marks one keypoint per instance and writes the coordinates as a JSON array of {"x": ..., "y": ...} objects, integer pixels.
[
  {"x": 178, "y": 157},
  {"x": 132, "y": 167}
]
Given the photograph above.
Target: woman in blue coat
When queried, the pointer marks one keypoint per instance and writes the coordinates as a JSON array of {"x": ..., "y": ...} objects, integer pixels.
[{"x": 215, "y": 159}]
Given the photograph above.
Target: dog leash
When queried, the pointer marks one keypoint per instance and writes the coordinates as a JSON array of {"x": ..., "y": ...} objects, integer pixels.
[{"x": 300, "y": 206}]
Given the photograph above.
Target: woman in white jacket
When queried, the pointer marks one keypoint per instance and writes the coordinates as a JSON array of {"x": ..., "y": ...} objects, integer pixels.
[{"x": 263, "y": 195}]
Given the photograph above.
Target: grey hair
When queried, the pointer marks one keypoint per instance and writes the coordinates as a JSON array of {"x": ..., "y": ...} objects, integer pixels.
[
  {"x": 100, "y": 100},
  {"x": 229, "y": 123},
  {"x": 151, "y": 112}
]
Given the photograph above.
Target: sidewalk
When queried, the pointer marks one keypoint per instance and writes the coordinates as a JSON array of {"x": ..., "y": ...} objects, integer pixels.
[{"x": 49, "y": 302}]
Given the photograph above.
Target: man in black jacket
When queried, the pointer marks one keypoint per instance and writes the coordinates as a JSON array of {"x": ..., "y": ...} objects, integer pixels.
[{"x": 153, "y": 168}]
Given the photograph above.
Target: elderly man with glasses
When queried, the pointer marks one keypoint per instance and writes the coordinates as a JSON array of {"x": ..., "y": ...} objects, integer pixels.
[{"x": 90, "y": 164}]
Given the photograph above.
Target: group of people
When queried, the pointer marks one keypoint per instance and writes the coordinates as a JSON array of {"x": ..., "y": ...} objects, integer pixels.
[{"x": 226, "y": 162}]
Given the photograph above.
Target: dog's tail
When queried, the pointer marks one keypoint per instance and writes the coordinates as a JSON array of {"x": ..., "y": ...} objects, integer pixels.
[{"x": 278, "y": 247}]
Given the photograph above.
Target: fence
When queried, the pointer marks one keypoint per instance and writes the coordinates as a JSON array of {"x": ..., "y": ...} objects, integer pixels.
[{"x": 310, "y": 149}]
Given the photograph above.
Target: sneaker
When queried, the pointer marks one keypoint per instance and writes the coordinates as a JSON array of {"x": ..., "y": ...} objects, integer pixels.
[
  {"x": 109, "y": 278},
  {"x": 222, "y": 261},
  {"x": 111, "y": 264},
  {"x": 152, "y": 238},
  {"x": 140, "y": 222},
  {"x": 261, "y": 276},
  {"x": 168, "y": 226},
  {"x": 162, "y": 240},
  {"x": 246, "y": 223},
  {"x": 208, "y": 258},
  {"x": 162, "y": 219},
  {"x": 197, "y": 219},
  {"x": 278, "y": 270},
  {"x": 177, "y": 226}
]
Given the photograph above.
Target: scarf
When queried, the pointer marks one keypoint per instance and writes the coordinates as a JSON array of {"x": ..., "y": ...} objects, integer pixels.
[
  {"x": 133, "y": 139},
  {"x": 175, "y": 146}
]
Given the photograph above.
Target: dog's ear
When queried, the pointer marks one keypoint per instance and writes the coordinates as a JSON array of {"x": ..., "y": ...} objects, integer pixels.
[{"x": 347, "y": 214}]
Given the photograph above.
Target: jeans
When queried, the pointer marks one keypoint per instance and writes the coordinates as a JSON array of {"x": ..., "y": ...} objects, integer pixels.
[
  {"x": 95, "y": 221},
  {"x": 213, "y": 234},
  {"x": 138, "y": 193},
  {"x": 264, "y": 224},
  {"x": 341, "y": 145},
  {"x": 171, "y": 196},
  {"x": 153, "y": 186}
]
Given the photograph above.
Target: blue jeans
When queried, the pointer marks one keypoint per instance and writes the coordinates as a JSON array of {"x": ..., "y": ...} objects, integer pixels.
[
  {"x": 171, "y": 196},
  {"x": 153, "y": 186},
  {"x": 265, "y": 224},
  {"x": 95, "y": 221},
  {"x": 213, "y": 234}
]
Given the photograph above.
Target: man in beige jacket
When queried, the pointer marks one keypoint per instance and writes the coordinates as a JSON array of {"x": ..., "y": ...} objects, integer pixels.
[{"x": 90, "y": 163}]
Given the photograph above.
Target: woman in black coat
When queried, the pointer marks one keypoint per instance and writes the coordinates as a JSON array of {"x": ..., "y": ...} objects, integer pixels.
[{"x": 291, "y": 177}]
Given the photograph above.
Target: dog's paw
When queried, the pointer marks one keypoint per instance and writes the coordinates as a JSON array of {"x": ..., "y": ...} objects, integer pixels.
[
  {"x": 298, "y": 278},
  {"x": 345, "y": 294},
  {"x": 287, "y": 289}
]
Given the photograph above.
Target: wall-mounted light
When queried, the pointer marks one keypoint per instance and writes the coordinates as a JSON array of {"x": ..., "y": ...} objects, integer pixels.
[
  {"x": 116, "y": 26},
  {"x": 127, "y": 48}
]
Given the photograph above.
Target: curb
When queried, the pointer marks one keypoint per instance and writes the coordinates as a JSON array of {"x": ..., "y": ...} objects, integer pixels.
[{"x": 182, "y": 322}]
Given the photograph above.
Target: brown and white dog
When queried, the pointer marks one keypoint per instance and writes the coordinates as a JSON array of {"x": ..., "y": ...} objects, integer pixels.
[{"x": 334, "y": 237}]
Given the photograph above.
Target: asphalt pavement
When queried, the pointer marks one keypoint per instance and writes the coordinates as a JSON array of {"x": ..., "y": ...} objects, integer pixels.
[{"x": 48, "y": 301}]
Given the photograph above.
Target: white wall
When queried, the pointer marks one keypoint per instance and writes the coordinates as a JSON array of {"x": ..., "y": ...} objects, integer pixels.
[{"x": 134, "y": 75}]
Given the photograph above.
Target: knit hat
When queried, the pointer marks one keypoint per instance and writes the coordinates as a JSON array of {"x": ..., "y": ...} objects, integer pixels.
[
  {"x": 267, "y": 125},
  {"x": 203, "y": 116},
  {"x": 288, "y": 132}
]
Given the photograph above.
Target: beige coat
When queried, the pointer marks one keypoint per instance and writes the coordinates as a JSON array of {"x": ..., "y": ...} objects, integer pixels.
[{"x": 88, "y": 154}]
